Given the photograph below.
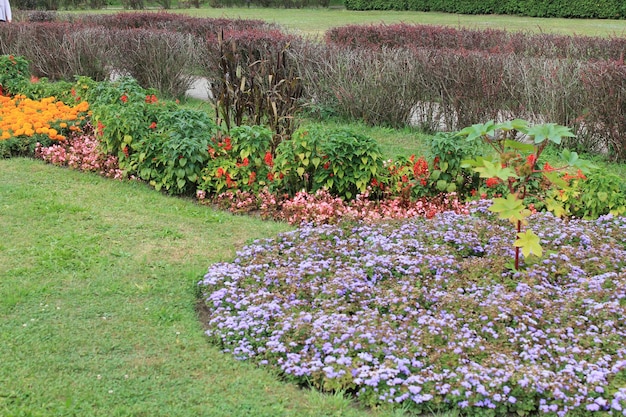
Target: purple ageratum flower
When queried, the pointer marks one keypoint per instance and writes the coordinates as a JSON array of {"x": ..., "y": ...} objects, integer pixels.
[{"x": 332, "y": 293}]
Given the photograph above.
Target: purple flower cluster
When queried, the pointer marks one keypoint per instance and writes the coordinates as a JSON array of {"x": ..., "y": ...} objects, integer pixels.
[{"x": 425, "y": 313}]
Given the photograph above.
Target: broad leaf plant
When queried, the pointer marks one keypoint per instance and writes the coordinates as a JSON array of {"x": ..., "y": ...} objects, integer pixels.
[{"x": 518, "y": 147}]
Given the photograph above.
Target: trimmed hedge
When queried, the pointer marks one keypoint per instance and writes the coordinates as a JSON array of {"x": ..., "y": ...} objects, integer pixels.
[
  {"x": 541, "y": 45},
  {"x": 590, "y": 9}
]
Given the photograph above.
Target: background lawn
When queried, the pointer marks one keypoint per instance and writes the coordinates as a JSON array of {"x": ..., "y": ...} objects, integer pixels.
[{"x": 317, "y": 21}]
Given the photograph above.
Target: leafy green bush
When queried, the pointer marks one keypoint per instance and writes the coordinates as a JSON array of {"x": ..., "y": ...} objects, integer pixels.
[
  {"x": 173, "y": 155},
  {"x": 22, "y": 146},
  {"x": 448, "y": 175},
  {"x": 341, "y": 161},
  {"x": 14, "y": 74},
  {"x": 605, "y": 9},
  {"x": 121, "y": 115},
  {"x": 241, "y": 161},
  {"x": 597, "y": 194},
  {"x": 41, "y": 88}
]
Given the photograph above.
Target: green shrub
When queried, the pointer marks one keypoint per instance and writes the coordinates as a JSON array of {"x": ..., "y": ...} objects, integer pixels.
[
  {"x": 172, "y": 156},
  {"x": 341, "y": 161},
  {"x": 241, "y": 161},
  {"x": 448, "y": 151},
  {"x": 603, "y": 9},
  {"x": 123, "y": 113},
  {"x": 41, "y": 88},
  {"x": 598, "y": 194},
  {"x": 14, "y": 74},
  {"x": 22, "y": 145}
]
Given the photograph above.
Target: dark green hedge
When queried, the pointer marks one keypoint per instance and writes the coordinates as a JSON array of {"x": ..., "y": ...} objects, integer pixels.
[{"x": 602, "y": 9}]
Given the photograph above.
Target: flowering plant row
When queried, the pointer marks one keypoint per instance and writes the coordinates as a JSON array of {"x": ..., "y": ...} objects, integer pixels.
[{"x": 184, "y": 151}]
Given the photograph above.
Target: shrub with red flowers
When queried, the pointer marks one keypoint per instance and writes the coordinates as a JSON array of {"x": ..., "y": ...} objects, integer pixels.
[{"x": 241, "y": 161}]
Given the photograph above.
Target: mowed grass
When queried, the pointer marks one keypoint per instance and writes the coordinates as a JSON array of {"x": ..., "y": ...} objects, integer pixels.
[
  {"x": 315, "y": 22},
  {"x": 97, "y": 299}
]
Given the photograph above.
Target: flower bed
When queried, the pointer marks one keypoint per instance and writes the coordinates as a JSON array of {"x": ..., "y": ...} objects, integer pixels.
[{"x": 425, "y": 313}]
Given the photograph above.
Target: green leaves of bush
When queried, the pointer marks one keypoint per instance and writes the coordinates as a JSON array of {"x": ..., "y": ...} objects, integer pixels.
[
  {"x": 173, "y": 157},
  {"x": 341, "y": 160},
  {"x": 14, "y": 73}
]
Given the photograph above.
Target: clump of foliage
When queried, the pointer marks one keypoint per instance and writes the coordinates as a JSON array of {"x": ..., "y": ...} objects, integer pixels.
[
  {"x": 14, "y": 73},
  {"x": 341, "y": 161},
  {"x": 255, "y": 81},
  {"x": 516, "y": 165},
  {"x": 241, "y": 161}
]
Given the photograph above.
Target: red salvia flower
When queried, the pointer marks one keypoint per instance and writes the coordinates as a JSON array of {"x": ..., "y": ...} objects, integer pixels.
[{"x": 492, "y": 182}]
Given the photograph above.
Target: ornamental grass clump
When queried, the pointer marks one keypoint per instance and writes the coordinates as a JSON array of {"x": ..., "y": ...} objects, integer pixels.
[{"x": 424, "y": 314}]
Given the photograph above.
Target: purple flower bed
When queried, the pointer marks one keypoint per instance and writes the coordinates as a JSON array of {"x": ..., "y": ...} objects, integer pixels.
[{"x": 426, "y": 314}]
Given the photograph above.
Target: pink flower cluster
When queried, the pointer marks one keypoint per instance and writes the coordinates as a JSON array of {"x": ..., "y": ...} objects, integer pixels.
[
  {"x": 81, "y": 152},
  {"x": 324, "y": 208}
]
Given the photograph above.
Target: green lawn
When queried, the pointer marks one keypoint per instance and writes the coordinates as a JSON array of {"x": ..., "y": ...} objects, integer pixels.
[
  {"x": 97, "y": 300},
  {"x": 314, "y": 22},
  {"x": 317, "y": 21}
]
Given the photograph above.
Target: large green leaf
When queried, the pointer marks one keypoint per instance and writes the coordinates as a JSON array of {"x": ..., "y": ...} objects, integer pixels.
[
  {"x": 491, "y": 170},
  {"x": 530, "y": 243},
  {"x": 510, "y": 208},
  {"x": 522, "y": 147},
  {"x": 478, "y": 131},
  {"x": 516, "y": 124},
  {"x": 549, "y": 131},
  {"x": 555, "y": 207}
]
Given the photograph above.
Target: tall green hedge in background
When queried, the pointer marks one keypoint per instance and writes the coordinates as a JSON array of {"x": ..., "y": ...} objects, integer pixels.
[{"x": 599, "y": 9}]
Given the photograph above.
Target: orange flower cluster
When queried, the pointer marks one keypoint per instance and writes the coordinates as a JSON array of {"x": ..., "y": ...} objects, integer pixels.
[{"x": 21, "y": 116}]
